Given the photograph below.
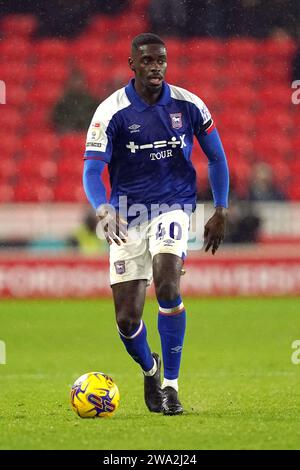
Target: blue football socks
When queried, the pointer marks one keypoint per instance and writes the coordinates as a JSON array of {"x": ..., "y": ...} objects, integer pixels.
[
  {"x": 137, "y": 346},
  {"x": 171, "y": 327}
]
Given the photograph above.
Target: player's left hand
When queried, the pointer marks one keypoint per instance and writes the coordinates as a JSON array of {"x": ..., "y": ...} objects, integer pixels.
[{"x": 214, "y": 230}]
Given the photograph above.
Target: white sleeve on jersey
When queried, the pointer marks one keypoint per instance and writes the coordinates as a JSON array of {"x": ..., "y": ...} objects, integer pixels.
[
  {"x": 184, "y": 95},
  {"x": 102, "y": 128}
]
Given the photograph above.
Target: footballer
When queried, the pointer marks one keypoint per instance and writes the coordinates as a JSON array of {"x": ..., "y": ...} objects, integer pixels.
[{"x": 144, "y": 133}]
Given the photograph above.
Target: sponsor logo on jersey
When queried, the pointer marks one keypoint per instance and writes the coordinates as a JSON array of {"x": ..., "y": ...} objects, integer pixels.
[
  {"x": 134, "y": 128},
  {"x": 93, "y": 144},
  {"x": 176, "y": 120},
  {"x": 174, "y": 142},
  {"x": 162, "y": 154},
  {"x": 169, "y": 242},
  {"x": 95, "y": 131}
]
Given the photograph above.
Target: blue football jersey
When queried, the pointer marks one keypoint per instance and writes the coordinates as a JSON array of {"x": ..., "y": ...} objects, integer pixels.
[{"x": 148, "y": 147}]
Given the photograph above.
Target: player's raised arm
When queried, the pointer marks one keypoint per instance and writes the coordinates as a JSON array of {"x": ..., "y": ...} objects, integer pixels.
[{"x": 211, "y": 145}]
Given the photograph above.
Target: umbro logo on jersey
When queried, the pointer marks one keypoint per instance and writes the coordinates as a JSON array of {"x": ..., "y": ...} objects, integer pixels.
[
  {"x": 132, "y": 146},
  {"x": 134, "y": 128}
]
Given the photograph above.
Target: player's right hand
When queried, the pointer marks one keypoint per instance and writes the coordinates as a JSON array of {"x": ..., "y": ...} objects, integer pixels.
[{"x": 114, "y": 226}]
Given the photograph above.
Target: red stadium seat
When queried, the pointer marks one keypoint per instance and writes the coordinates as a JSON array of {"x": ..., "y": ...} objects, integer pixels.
[
  {"x": 296, "y": 144},
  {"x": 37, "y": 167},
  {"x": 237, "y": 146},
  {"x": 209, "y": 94},
  {"x": 240, "y": 172},
  {"x": 6, "y": 192},
  {"x": 11, "y": 120},
  {"x": 10, "y": 147},
  {"x": 91, "y": 49},
  {"x": 69, "y": 191},
  {"x": 275, "y": 95},
  {"x": 121, "y": 72},
  {"x": 278, "y": 121},
  {"x": 277, "y": 49},
  {"x": 8, "y": 167},
  {"x": 294, "y": 166},
  {"x": 119, "y": 53},
  {"x": 278, "y": 73},
  {"x": 18, "y": 25},
  {"x": 72, "y": 144},
  {"x": 17, "y": 96},
  {"x": 96, "y": 68},
  {"x": 33, "y": 190},
  {"x": 241, "y": 49},
  {"x": 130, "y": 25},
  {"x": 293, "y": 191},
  {"x": 196, "y": 73},
  {"x": 282, "y": 173},
  {"x": 239, "y": 98},
  {"x": 244, "y": 123},
  {"x": 43, "y": 95},
  {"x": 173, "y": 46},
  {"x": 239, "y": 73},
  {"x": 296, "y": 115},
  {"x": 140, "y": 5},
  {"x": 70, "y": 167},
  {"x": 52, "y": 49},
  {"x": 200, "y": 50},
  {"x": 13, "y": 50},
  {"x": 271, "y": 147},
  {"x": 40, "y": 145},
  {"x": 9, "y": 144},
  {"x": 200, "y": 165},
  {"x": 104, "y": 80},
  {"x": 38, "y": 119},
  {"x": 51, "y": 71},
  {"x": 15, "y": 73},
  {"x": 102, "y": 25}
]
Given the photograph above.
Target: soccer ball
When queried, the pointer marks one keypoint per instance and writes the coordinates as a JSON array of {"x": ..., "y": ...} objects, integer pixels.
[{"x": 94, "y": 395}]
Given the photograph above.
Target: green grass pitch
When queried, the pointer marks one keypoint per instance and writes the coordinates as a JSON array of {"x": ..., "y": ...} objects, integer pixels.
[{"x": 238, "y": 384}]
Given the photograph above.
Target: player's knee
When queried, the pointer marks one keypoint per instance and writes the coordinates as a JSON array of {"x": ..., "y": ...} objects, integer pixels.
[
  {"x": 126, "y": 324},
  {"x": 167, "y": 290}
]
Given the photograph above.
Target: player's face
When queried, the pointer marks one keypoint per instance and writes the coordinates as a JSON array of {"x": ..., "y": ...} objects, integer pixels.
[{"x": 149, "y": 63}]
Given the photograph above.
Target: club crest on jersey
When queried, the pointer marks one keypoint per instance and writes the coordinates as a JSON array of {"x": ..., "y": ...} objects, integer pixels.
[
  {"x": 176, "y": 120},
  {"x": 120, "y": 267}
]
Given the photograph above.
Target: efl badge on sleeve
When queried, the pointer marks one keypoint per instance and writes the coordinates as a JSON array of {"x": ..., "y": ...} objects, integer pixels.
[
  {"x": 95, "y": 131},
  {"x": 176, "y": 119}
]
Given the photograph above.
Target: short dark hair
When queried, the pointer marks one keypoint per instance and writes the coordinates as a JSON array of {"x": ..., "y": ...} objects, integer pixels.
[{"x": 145, "y": 38}]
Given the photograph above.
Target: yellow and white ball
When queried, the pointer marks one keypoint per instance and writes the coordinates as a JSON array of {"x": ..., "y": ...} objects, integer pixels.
[{"x": 94, "y": 395}]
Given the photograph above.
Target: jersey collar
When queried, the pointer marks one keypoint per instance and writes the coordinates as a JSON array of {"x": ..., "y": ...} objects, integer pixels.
[{"x": 139, "y": 104}]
